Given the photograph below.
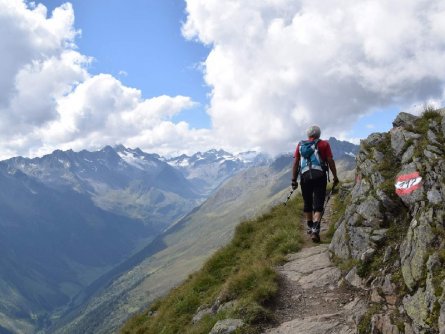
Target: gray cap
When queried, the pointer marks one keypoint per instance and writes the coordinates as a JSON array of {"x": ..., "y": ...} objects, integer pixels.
[{"x": 314, "y": 131}]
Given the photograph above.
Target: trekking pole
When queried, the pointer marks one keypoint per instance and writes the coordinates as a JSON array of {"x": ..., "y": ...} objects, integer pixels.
[
  {"x": 288, "y": 197},
  {"x": 292, "y": 190}
]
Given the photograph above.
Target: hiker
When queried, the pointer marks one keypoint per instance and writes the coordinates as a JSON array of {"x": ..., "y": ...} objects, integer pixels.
[{"x": 312, "y": 159}]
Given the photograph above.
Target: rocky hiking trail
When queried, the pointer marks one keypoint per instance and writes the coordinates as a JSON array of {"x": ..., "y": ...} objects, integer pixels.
[{"x": 313, "y": 298}]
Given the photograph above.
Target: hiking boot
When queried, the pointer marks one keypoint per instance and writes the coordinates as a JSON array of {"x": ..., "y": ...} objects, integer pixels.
[
  {"x": 315, "y": 237},
  {"x": 315, "y": 232},
  {"x": 310, "y": 225}
]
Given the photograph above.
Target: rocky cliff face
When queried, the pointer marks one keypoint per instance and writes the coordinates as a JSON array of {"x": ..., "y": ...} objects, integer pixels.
[{"x": 392, "y": 231}]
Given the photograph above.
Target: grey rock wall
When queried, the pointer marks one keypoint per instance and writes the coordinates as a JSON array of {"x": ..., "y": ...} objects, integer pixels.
[{"x": 396, "y": 240}]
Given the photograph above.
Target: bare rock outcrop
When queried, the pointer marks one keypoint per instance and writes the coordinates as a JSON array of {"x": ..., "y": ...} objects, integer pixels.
[{"x": 392, "y": 229}]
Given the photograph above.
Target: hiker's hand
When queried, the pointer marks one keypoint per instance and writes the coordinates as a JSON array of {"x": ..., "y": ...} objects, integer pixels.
[
  {"x": 294, "y": 185},
  {"x": 336, "y": 181}
]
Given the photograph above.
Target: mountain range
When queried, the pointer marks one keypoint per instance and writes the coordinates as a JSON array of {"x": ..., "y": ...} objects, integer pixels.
[{"x": 82, "y": 231}]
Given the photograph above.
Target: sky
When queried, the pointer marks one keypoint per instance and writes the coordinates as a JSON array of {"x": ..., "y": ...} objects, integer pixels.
[{"x": 181, "y": 76}]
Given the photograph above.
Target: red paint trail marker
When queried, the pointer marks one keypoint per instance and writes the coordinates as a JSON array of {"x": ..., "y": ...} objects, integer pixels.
[{"x": 407, "y": 183}]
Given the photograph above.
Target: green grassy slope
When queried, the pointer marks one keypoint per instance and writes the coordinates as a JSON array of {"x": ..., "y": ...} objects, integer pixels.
[{"x": 243, "y": 271}]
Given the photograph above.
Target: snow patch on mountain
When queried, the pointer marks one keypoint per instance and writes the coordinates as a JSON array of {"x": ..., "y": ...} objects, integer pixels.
[{"x": 135, "y": 160}]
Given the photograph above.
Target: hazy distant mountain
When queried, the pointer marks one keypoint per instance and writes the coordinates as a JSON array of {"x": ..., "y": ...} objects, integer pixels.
[
  {"x": 124, "y": 181},
  {"x": 343, "y": 150},
  {"x": 209, "y": 169}
]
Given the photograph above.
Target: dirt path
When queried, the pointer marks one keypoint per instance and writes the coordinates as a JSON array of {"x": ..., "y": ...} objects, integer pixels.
[{"x": 311, "y": 299}]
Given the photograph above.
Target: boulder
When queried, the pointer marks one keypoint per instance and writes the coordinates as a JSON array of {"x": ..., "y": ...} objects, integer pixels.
[
  {"x": 408, "y": 155},
  {"x": 360, "y": 241},
  {"x": 434, "y": 196},
  {"x": 373, "y": 139},
  {"x": 388, "y": 287},
  {"x": 226, "y": 326},
  {"x": 430, "y": 155},
  {"x": 367, "y": 255},
  {"x": 366, "y": 167},
  {"x": 381, "y": 323},
  {"x": 201, "y": 314},
  {"x": 370, "y": 210},
  {"x": 410, "y": 135},
  {"x": 378, "y": 156},
  {"x": 353, "y": 278},
  {"x": 227, "y": 306},
  {"x": 434, "y": 149},
  {"x": 356, "y": 310},
  {"x": 379, "y": 235},
  {"x": 375, "y": 296},
  {"x": 414, "y": 250},
  {"x": 416, "y": 307},
  {"x": 377, "y": 179},
  {"x": 397, "y": 140},
  {"x": 404, "y": 119},
  {"x": 432, "y": 138},
  {"x": 417, "y": 195},
  {"x": 420, "y": 305},
  {"x": 339, "y": 244},
  {"x": 361, "y": 189}
]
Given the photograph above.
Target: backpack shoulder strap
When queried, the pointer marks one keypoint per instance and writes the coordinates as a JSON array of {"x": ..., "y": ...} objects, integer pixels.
[
  {"x": 323, "y": 162},
  {"x": 300, "y": 145}
]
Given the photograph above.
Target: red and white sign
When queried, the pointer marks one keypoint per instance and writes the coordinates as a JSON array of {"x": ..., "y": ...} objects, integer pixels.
[{"x": 407, "y": 183}]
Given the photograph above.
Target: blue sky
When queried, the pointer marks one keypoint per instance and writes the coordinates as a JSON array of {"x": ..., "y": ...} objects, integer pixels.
[
  {"x": 140, "y": 42},
  {"x": 182, "y": 76},
  {"x": 376, "y": 121}
]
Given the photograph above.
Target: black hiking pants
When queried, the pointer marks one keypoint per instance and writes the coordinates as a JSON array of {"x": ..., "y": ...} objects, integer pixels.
[{"x": 314, "y": 190}]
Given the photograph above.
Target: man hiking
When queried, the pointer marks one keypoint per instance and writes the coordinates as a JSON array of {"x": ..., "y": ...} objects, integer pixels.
[{"x": 312, "y": 159}]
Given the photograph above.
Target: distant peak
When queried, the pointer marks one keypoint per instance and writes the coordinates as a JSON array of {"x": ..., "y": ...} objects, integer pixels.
[
  {"x": 107, "y": 148},
  {"x": 120, "y": 148},
  {"x": 60, "y": 153}
]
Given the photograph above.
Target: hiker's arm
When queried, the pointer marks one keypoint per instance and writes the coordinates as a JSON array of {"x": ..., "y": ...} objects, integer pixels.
[
  {"x": 296, "y": 168},
  {"x": 333, "y": 169},
  {"x": 295, "y": 171}
]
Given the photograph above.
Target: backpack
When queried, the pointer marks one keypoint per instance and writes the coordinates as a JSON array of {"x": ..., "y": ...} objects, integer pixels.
[{"x": 310, "y": 158}]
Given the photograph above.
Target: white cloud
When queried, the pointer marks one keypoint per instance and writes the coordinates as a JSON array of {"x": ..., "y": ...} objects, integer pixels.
[
  {"x": 103, "y": 111},
  {"x": 48, "y": 100},
  {"x": 277, "y": 66}
]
